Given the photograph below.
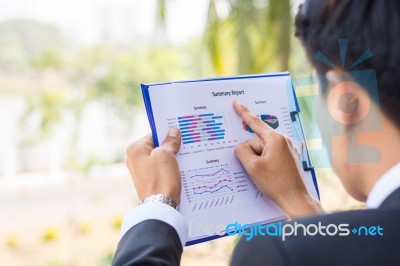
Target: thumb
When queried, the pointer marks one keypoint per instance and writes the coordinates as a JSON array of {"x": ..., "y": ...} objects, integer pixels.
[{"x": 172, "y": 142}]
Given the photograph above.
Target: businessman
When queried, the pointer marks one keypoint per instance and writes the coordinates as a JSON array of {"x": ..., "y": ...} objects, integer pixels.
[{"x": 154, "y": 232}]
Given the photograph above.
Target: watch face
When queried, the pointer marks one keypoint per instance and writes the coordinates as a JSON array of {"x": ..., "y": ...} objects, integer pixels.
[{"x": 270, "y": 120}]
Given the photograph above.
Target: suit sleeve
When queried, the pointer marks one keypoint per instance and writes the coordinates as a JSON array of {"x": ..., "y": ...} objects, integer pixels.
[
  {"x": 150, "y": 242},
  {"x": 151, "y": 234}
]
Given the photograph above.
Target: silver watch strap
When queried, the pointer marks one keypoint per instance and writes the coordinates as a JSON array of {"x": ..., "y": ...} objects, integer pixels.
[{"x": 159, "y": 198}]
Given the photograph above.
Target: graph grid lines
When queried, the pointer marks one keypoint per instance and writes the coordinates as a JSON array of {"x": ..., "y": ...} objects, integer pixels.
[{"x": 208, "y": 182}]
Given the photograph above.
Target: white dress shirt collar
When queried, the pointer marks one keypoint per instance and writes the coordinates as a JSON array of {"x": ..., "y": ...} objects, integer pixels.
[{"x": 385, "y": 186}]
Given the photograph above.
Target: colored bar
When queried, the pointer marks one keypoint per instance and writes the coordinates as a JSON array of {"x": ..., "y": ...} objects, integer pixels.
[
  {"x": 185, "y": 117},
  {"x": 188, "y": 124},
  {"x": 206, "y": 115},
  {"x": 205, "y": 136},
  {"x": 188, "y": 142},
  {"x": 216, "y": 135},
  {"x": 183, "y": 128},
  {"x": 190, "y": 134},
  {"x": 192, "y": 138},
  {"x": 197, "y": 126},
  {"x": 202, "y": 136},
  {"x": 214, "y": 125},
  {"x": 187, "y": 131},
  {"x": 210, "y": 128},
  {"x": 216, "y": 138},
  {"x": 216, "y": 131},
  {"x": 203, "y": 127},
  {"x": 189, "y": 120}
]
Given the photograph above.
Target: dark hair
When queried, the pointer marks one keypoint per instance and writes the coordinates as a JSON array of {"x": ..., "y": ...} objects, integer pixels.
[{"x": 367, "y": 24}]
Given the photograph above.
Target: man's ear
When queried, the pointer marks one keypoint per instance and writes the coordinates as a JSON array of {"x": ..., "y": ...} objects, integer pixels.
[{"x": 348, "y": 102}]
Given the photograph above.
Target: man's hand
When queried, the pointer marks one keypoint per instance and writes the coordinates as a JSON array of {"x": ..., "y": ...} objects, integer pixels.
[
  {"x": 271, "y": 161},
  {"x": 155, "y": 170}
]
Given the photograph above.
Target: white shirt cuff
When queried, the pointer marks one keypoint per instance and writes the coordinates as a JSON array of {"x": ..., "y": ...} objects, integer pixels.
[{"x": 157, "y": 211}]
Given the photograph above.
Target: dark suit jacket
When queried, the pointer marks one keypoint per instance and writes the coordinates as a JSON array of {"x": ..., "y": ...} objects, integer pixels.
[{"x": 154, "y": 242}]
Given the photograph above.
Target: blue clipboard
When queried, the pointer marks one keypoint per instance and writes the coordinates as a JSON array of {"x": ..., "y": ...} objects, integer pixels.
[{"x": 295, "y": 115}]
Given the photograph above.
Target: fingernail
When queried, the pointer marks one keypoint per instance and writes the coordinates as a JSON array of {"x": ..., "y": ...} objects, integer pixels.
[
  {"x": 237, "y": 104},
  {"x": 173, "y": 132}
]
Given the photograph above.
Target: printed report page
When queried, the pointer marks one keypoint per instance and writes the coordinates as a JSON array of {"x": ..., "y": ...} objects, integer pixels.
[{"x": 215, "y": 188}]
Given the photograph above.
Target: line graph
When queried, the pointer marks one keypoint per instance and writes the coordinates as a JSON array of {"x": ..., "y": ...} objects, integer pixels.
[
  {"x": 213, "y": 174},
  {"x": 214, "y": 191},
  {"x": 208, "y": 182},
  {"x": 213, "y": 186}
]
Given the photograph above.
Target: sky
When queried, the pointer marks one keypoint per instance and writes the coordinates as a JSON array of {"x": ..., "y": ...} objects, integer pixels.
[{"x": 86, "y": 21}]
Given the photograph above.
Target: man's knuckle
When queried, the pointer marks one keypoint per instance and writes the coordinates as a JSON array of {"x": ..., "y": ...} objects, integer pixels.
[
  {"x": 255, "y": 165},
  {"x": 131, "y": 149},
  {"x": 158, "y": 152},
  {"x": 161, "y": 154},
  {"x": 248, "y": 142},
  {"x": 238, "y": 149},
  {"x": 281, "y": 140},
  {"x": 289, "y": 141}
]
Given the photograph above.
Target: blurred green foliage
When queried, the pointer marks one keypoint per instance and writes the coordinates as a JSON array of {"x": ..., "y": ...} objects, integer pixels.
[
  {"x": 50, "y": 58},
  {"x": 106, "y": 260},
  {"x": 47, "y": 105},
  {"x": 40, "y": 64},
  {"x": 24, "y": 41},
  {"x": 240, "y": 37},
  {"x": 254, "y": 36}
]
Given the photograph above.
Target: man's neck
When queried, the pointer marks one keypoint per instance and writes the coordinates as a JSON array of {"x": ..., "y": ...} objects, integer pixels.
[{"x": 387, "y": 142}]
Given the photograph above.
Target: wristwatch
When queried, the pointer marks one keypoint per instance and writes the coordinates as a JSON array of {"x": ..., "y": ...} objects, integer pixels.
[{"x": 159, "y": 198}]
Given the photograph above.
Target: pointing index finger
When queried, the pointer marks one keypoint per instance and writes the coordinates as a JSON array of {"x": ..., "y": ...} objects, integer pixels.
[{"x": 254, "y": 122}]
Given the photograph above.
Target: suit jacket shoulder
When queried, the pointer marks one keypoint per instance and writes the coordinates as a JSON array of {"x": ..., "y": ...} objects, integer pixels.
[
  {"x": 151, "y": 242},
  {"x": 359, "y": 247}
]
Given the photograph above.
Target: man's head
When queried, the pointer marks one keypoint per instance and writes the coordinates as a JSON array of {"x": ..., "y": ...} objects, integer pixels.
[{"x": 367, "y": 25}]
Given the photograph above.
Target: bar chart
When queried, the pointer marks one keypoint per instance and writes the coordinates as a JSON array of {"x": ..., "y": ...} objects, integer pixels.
[{"x": 202, "y": 127}]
